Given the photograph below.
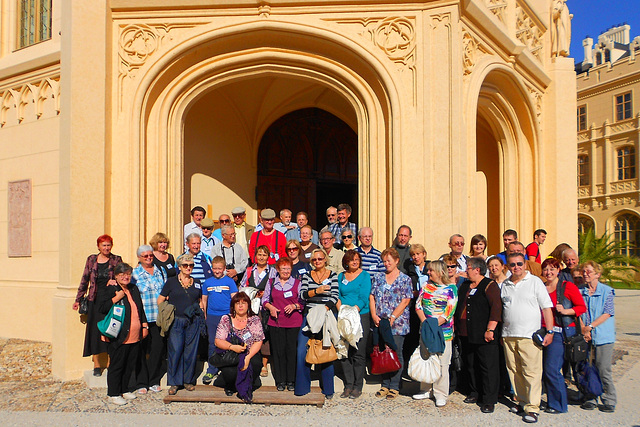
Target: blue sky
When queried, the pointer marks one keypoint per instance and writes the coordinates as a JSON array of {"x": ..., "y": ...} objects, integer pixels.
[{"x": 593, "y": 17}]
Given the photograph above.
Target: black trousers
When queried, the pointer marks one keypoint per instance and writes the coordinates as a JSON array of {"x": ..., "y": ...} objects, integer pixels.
[
  {"x": 356, "y": 362},
  {"x": 482, "y": 362},
  {"x": 228, "y": 375},
  {"x": 284, "y": 342},
  {"x": 125, "y": 360},
  {"x": 154, "y": 352}
]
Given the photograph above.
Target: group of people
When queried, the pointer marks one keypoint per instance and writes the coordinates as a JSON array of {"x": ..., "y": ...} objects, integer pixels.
[{"x": 273, "y": 293}]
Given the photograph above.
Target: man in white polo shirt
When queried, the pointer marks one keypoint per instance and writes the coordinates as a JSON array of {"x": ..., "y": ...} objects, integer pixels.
[{"x": 523, "y": 296}]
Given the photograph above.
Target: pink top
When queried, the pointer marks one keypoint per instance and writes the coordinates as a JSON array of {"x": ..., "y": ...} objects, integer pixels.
[
  {"x": 250, "y": 334},
  {"x": 134, "y": 326}
]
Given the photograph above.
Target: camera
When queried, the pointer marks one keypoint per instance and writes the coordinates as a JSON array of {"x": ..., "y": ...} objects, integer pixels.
[{"x": 230, "y": 266}]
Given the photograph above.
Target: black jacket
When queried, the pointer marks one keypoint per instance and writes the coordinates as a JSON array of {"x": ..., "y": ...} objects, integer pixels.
[
  {"x": 479, "y": 311},
  {"x": 104, "y": 305}
]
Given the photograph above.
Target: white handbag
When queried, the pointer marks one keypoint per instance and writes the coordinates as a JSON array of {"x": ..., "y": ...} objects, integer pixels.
[{"x": 424, "y": 370}]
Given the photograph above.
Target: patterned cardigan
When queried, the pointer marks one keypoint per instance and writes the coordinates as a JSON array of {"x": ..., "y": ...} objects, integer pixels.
[{"x": 90, "y": 273}]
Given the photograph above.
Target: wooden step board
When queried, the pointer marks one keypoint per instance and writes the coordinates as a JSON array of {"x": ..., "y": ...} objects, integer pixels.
[{"x": 265, "y": 395}]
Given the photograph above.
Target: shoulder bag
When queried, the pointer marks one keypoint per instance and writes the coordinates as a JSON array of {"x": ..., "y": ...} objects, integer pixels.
[
  {"x": 111, "y": 325},
  {"x": 575, "y": 347},
  {"x": 426, "y": 370},
  {"x": 385, "y": 361},
  {"x": 317, "y": 354}
]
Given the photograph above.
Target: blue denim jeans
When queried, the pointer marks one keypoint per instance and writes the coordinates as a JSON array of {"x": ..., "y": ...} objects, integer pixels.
[
  {"x": 303, "y": 369},
  {"x": 212, "y": 327},
  {"x": 553, "y": 359},
  {"x": 182, "y": 350}
]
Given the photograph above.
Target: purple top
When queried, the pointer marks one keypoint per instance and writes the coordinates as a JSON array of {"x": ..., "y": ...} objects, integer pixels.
[
  {"x": 281, "y": 295},
  {"x": 250, "y": 334}
]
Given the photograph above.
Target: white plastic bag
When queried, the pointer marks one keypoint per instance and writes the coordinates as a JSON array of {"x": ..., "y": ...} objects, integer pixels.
[
  {"x": 349, "y": 325},
  {"x": 426, "y": 371}
]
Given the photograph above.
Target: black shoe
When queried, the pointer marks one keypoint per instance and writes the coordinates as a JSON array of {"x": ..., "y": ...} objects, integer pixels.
[
  {"x": 607, "y": 408},
  {"x": 530, "y": 418},
  {"x": 471, "y": 399},
  {"x": 97, "y": 372},
  {"x": 228, "y": 392},
  {"x": 280, "y": 387},
  {"x": 550, "y": 410},
  {"x": 488, "y": 408},
  {"x": 346, "y": 393},
  {"x": 589, "y": 406},
  {"x": 516, "y": 410},
  {"x": 291, "y": 387},
  {"x": 328, "y": 396}
]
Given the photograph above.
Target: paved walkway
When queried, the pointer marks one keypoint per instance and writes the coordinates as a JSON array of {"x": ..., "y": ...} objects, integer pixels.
[{"x": 32, "y": 397}]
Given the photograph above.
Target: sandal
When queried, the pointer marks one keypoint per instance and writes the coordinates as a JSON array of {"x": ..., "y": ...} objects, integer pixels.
[
  {"x": 189, "y": 387},
  {"x": 264, "y": 372},
  {"x": 173, "y": 390},
  {"x": 392, "y": 394},
  {"x": 382, "y": 392}
]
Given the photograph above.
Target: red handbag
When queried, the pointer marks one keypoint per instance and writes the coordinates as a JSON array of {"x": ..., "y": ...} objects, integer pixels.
[{"x": 383, "y": 362}]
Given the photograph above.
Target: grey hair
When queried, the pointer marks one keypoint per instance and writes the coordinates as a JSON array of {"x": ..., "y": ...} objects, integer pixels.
[
  {"x": 193, "y": 236},
  {"x": 143, "y": 248},
  {"x": 225, "y": 228},
  {"x": 478, "y": 262},
  {"x": 363, "y": 229}
]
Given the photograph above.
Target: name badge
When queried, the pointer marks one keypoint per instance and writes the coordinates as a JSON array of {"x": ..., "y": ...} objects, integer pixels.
[
  {"x": 345, "y": 282},
  {"x": 326, "y": 282},
  {"x": 276, "y": 257},
  {"x": 472, "y": 291},
  {"x": 302, "y": 271},
  {"x": 372, "y": 267},
  {"x": 506, "y": 299},
  {"x": 288, "y": 294},
  {"x": 218, "y": 289},
  {"x": 246, "y": 336},
  {"x": 197, "y": 285},
  {"x": 169, "y": 266},
  {"x": 307, "y": 255}
]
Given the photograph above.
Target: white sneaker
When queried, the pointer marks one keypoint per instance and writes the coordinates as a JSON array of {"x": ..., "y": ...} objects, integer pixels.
[
  {"x": 129, "y": 395},
  {"x": 155, "y": 388},
  {"x": 141, "y": 390},
  {"x": 117, "y": 400},
  {"x": 422, "y": 396},
  {"x": 440, "y": 402}
]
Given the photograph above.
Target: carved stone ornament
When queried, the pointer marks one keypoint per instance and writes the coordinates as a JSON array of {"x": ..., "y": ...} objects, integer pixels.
[
  {"x": 396, "y": 37},
  {"x": 498, "y": 8},
  {"x": 536, "y": 96},
  {"x": 527, "y": 32},
  {"x": 473, "y": 50},
  {"x": 19, "y": 233},
  {"x": 29, "y": 101}
]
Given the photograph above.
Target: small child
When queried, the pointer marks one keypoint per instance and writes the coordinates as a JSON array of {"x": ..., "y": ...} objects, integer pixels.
[{"x": 216, "y": 296}]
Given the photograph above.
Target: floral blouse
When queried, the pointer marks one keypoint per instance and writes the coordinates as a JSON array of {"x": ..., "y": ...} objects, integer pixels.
[
  {"x": 250, "y": 334},
  {"x": 439, "y": 301},
  {"x": 389, "y": 296}
]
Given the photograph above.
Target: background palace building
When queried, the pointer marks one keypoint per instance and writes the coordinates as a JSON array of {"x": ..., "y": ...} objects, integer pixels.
[
  {"x": 608, "y": 84},
  {"x": 118, "y": 116}
]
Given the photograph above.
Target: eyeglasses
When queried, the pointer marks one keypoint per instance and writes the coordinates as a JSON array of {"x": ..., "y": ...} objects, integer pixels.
[
  {"x": 237, "y": 215},
  {"x": 458, "y": 243},
  {"x": 452, "y": 266},
  {"x": 207, "y": 228},
  {"x": 519, "y": 264},
  {"x": 292, "y": 249},
  {"x": 225, "y": 221},
  {"x": 324, "y": 239},
  {"x": 317, "y": 259},
  {"x": 187, "y": 265},
  {"x": 348, "y": 236}
]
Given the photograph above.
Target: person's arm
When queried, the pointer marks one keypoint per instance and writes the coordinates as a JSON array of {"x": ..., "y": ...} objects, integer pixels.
[
  {"x": 495, "y": 314},
  {"x": 240, "y": 260},
  {"x": 547, "y": 313},
  {"x": 364, "y": 290},
  {"x": 450, "y": 309},
  {"x": 419, "y": 310},
  {"x": 572, "y": 292},
  {"x": 399, "y": 310},
  {"x": 253, "y": 350},
  {"x": 372, "y": 310},
  {"x": 84, "y": 284}
]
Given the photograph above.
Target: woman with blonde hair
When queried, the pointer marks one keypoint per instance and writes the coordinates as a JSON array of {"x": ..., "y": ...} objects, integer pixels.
[{"x": 161, "y": 258}]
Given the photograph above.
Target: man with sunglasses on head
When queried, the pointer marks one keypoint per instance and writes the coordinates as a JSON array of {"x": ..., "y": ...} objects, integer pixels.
[{"x": 524, "y": 300}]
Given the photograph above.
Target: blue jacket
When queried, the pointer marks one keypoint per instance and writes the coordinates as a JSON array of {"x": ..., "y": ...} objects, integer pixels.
[
  {"x": 432, "y": 335},
  {"x": 606, "y": 332}
]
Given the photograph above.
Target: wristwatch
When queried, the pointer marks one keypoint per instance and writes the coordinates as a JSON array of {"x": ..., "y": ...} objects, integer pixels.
[
  {"x": 490, "y": 330},
  {"x": 550, "y": 332},
  {"x": 393, "y": 316},
  {"x": 145, "y": 327}
]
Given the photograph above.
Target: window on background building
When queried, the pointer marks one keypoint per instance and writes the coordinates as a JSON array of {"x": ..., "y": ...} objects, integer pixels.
[
  {"x": 626, "y": 163},
  {"x": 34, "y": 21},
  {"x": 627, "y": 228},
  {"x": 598, "y": 58},
  {"x": 582, "y": 118},
  {"x": 585, "y": 224},
  {"x": 623, "y": 106},
  {"x": 607, "y": 55},
  {"x": 583, "y": 170}
]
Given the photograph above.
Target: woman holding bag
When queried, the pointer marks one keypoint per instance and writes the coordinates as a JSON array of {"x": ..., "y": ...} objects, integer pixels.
[
  {"x": 438, "y": 298},
  {"x": 318, "y": 288},
  {"x": 354, "y": 290},
  {"x": 98, "y": 273},
  {"x": 124, "y": 351},
  {"x": 282, "y": 300},
  {"x": 389, "y": 304}
]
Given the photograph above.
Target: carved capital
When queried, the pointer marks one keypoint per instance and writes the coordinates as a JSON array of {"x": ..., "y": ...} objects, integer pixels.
[
  {"x": 498, "y": 8},
  {"x": 472, "y": 50},
  {"x": 528, "y": 32}
]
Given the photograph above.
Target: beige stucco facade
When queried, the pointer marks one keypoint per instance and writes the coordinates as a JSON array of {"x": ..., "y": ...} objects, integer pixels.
[
  {"x": 608, "y": 198},
  {"x": 464, "y": 121}
]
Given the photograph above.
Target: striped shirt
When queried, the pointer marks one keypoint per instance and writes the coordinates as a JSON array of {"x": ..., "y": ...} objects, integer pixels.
[
  {"x": 371, "y": 261},
  {"x": 150, "y": 286},
  {"x": 201, "y": 262},
  {"x": 336, "y": 229}
]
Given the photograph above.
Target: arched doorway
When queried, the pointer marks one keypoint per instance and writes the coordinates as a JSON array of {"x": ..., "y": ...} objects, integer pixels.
[{"x": 307, "y": 161}]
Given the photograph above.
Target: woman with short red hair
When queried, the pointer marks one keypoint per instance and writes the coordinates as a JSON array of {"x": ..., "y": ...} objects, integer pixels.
[{"x": 98, "y": 272}]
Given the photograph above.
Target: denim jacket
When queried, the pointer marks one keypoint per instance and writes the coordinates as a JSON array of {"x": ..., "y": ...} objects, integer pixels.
[{"x": 606, "y": 332}]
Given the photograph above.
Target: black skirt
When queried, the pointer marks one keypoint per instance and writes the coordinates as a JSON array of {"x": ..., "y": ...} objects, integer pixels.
[{"x": 93, "y": 343}]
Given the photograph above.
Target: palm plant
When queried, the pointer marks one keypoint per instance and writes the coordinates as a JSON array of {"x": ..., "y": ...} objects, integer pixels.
[{"x": 611, "y": 255}]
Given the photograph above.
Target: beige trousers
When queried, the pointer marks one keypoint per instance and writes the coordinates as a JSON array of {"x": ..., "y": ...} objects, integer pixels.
[
  {"x": 440, "y": 389},
  {"x": 524, "y": 363}
]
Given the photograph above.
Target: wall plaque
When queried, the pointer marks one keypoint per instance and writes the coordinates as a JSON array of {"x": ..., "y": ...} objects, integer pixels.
[{"x": 19, "y": 236}]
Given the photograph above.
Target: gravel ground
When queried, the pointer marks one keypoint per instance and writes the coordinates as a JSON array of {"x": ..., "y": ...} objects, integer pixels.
[{"x": 33, "y": 397}]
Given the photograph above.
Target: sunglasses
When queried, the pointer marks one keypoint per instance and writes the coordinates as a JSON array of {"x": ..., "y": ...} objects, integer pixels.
[
  {"x": 519, "y": 264},
  {"x": 146, "y": 256},
  {"x": 225, "y": 221},
  {"x": 187, "y": 265},
  {"x": 292, "y": 249},
  {"x": 348, "y": 236},
  {"x": 317, "y": 259},
  {"x": 207, "y": 228},
  {"x": 452, "y": 266}
]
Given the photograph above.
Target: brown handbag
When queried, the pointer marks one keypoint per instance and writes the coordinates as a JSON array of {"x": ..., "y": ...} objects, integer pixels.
[{"x": 317, "y": 354}]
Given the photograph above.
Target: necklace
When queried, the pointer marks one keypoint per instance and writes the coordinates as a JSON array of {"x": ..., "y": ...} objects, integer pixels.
[
  {"x": 188, "y": 284},
  {"x": 318, "y": 277}
]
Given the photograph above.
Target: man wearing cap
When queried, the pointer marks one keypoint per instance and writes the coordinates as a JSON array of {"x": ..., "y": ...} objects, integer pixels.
[
  {"x": 223, "y": 219},
  {"x": 243, "y": 230},
  {"x": 235, "y": 257},
  {"x": 269, "y": 236},
  {"x": 302, "y": 219},
  {"x": 197, "y": 215},
  {"x": 208, "y": 240}
]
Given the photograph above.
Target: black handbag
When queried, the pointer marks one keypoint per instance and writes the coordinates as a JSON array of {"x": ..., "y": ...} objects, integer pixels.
[
  {"x": 575, "y": 348},
  {"x": 223, "y": 358},
  {"x": 83, "y": 307},
  {"x": 456, "y": 355}
]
